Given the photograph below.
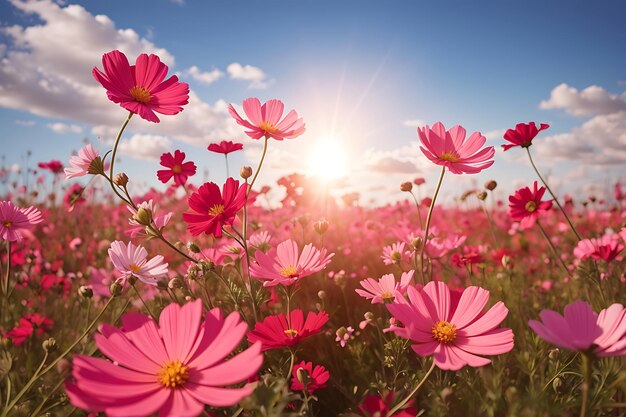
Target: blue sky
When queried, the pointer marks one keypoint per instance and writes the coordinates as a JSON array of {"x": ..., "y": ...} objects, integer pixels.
[{"x": 361, "y": 73}]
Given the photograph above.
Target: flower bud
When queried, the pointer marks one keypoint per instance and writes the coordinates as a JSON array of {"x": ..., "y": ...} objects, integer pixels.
[
  {"x": 132, "y": 280},
  {"x": 303, "y": 376},
  {"x": 553, "y": 354},
  {"x": 96, "y": 167},
  {"x": 64, "y": 366},
  {"x": 341, "y": 332},
  {"x": 369, "y": 316},
  {"x": 193, "y": 248},
  {"x": 174, "y": 283},
  {"x": 245, "y": 172},
  {"x": 482, "y": 195},
  {"x": 321, "y": 294},
  {"x": 85, "y": 291},
  {"x": 419, "y": 181},
  {"x": 417, "y": 243},
  {"x": 491, "y": 185},
  {"x": 120, "y": 179},
  {"x": 304, "y": 219},
  {"x": 321, "y": 226},
  {"x": 143, "y": 216},
  {"x": 406, "y": 186},
  {"x": 116, "y": 289},
  {"x": 49, "y": 345}
]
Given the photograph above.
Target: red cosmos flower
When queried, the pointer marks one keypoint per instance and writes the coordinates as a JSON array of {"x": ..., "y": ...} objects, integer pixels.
[
  {"x": 177, "y": 168},
  {"x": 523, "y": 135},
  {"x": 265, "y": 120},
  {"x": 526, "y": 206},
  {"x": 29, "y": 324},
  {"x": 53, "y": 166},
  {"x": 141, "y": 88},
  {"x": 316, "y": 377},
  {"x": 212, "y": 209},
  {"x": 225, "y": 147},
  {"x": 277, "y": 332},
  {"x": 376, "y": 405}
]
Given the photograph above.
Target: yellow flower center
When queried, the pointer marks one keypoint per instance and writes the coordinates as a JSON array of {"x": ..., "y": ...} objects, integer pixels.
[
  {"x": 387, "y": 296},
  {"x": 289, "y": 271},
  {"x": 135, "y": 268},
  {"x": 140, "y": 94},
  {"x": 7, "y": 223},
  {"x": 444, "y": 332},
  {"x": 530, "y": 206},
  {"x": 268, "y": 127},
  {"x": 291, "y": 332},
  {"x": 396, "y": 257},
  {"x": 173, "y": 374},
  {"x": 449, "y": 156},
  {"x": 177, "y": 169},
  {"x": 216, "y": 210}
]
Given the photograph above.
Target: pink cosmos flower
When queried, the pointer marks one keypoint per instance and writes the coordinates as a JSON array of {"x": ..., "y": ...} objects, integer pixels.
[
  {"x": 141, "y": 88},
  {"x": 81, "y": 164},
  {"x": 29, "y": 324},
  {"x": 285, "y": 265},
  {"x": 343, "y": 335},
  {"x": 522, "y": 135},
  {"x": 316, "y": 378},
  {"x": 55, "y": 166},
  {"x": 454, "y": 330},
  {"x": 132, "y": 260},
  {"x": 173, "y": 368},
  {"x": 15, "y": 220},
  {"x": 580, "y": 329},
  {"x": 211, "y": 209},
  {"x": 450, "y": 149},
  {"x": 526, "y": 206},
  {"x": 385, "y": 289},
  {"x": 379, "y": 406},
  {"x": 394, "y": 253},
  {"x": 74, "y": 197},
  {"x": 225, "y": 147},
  {"x": 177, "y": 168},
  {"x": 137, "y": 229},
  {"x": 277, "y": 332},
  {"x": 265, "y": 120},
  {"x": 606, "y": 248}
]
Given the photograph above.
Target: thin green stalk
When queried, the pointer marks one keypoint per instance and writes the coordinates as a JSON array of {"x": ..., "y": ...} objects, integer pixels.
[
  {"x": 291, "y": 362},
  {"x": 117, "y": 141},
  {"x": 144, "y": 303},
  {"x": 227, "y": 170},
  {"x": 260, "y": 165},
  {"x": 556, "y": 200},
  {"x": 586, "y": 368},
  {"x": 552, "y": 248},
  {"x": 35, "y": 413},
  {"x": 408, "y": 397},
  {"x": 419, "y": 211},
  {"x": 428, "y": 218},
  {"x": 5, "y": 285}
]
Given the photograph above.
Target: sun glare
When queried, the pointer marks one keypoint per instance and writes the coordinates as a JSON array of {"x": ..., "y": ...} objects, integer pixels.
[{"x": 328, "y": 160}]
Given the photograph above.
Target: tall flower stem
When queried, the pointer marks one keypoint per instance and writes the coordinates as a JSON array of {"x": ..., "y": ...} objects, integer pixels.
[
  {"x": 552, "y": 248},
  {"x": 256, "y": 173},
  {"x": 5, "y": 285},
  {"x": 114, "y": 153},
  {"x": 39, "y": 373},
  {"x": 428, "y": 219},
  {"x": 556, "y": 200},
  {"x": 227, "y": 170},
  {"x": 586, "y": 369},
  {"x": 419, "y": 212},
  {"x": 408, "y": 397}
]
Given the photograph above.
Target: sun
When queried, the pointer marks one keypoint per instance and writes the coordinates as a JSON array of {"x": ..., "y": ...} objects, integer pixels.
[{"x": 328, "y": 160}]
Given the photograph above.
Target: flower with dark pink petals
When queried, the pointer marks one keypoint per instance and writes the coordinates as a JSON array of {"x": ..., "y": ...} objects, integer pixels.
[
  {"x": 177, "y": 168},
  {"x": 265, "y": 120},
  {"x": 277, "y": 332},
  {"x": 522, "y": 135},
  {"x": 225, "y": 147},
  {"x": 525, "y": 205},
  {"x": 29, "y": 324},
  {"x": 314, "y": 379},
  {"x": 15, "y": 220}
]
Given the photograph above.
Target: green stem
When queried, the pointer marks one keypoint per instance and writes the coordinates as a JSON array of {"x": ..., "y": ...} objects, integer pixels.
[
  {"x": 419, "y": 211},
  {"x": 144, "y": 303},
  {"x": 408, "y": 397},
  {"x": 260, "y": 165},
  {"x": 39, "y": 373},
  {"x": 227, "y": 170},
  {"x": 5, "y": 285},
  {"x": 556, "y": 200},
  {"x": 114, "y": 153},
  {"x": 586, "y": 365},
  {"x": 428, "y": 218},
  {"x": 552, "y": 248},
  {"x": 292, "y": 359}
]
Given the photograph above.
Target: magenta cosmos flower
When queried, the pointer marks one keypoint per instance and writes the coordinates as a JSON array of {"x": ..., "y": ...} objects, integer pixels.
[
  {"x": 450, "y": 149},
  {"x": 264, "y": 120},
  {"x": 55, "y": 166},
  {"x": 176, "y": 168},
  {"x": 454, "y": 330},
  {"x": 580, "y": 329},
  {"x": 315, "y": 379},
  {"x": 285, "y": 264},
  {"x": 522, "y": 135},
  {"x": 525, "y": 205},
  {"x": 225, "y": 147},
  {"x": 607, "y": 248},
  {"x": 141, "y": 88},
  {"x": 15, "y": 220},
  {"x": 277, "y": 332},
  {"x": 132, "y": 260},
  {"x": 83, "y": 163},
  {"x": 211, "y": 209},
  {"x": 385, "y": 289},
  {"x": 172, "y": 369}
]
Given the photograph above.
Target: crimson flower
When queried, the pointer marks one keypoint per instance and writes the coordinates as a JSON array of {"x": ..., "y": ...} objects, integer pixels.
[
  {"x": 277, "y": 332},
  {"x": 141, "y": 88},
  {"x": 53, "y": 166},
  {"x": 177, "y": 168},
  {"x": 526, "y": 206},
  {"x": 377, "y": 405},
  {"x": 225, "y": 147},
  {"x": 212, "y": 209},
  {"x": 315, "y": 378},
  {"x": 265, "y": 120},
  {"x": 29, "y": 324},
  {"x": 522, "y": 135}
]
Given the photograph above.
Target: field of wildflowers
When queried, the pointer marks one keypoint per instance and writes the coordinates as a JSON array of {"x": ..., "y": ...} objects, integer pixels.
[{"x": 201, "y": 300}]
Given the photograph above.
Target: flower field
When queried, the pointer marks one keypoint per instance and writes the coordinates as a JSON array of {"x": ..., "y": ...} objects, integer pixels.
[{"x": 204, "y": 299}]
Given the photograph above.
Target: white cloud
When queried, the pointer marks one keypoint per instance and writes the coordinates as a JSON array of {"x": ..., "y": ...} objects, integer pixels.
[
  {"x": 63, "y": 128},
  {"x": 414, "y": 123},
  {"x": 590, "y": 101},
  {"x": 149, "y": 147},
  {"x": 390, "y": 165},
  {"x": 204, "y": 77},
  {"x": 255, "y": 75},
  {"x": 495, "y": 134}
]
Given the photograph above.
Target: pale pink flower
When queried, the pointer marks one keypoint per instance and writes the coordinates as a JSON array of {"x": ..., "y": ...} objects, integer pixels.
[
  {"x": 285, "y": 265},
  {"x": 15, "y": 220},
  {"x": 260, "y": 240},
  {"x": 384, "y": 290},
  {"x": 139, "y": 230},
  {"x": 438, "y": 247},
  {"x": 131, "y": 260},
  {"x": 454, "y": 330},
  {"x": 450, "y": 149},
  {"x": 265, "y": 120},
  {"x": 580, "y": 329},
  {"x": 174, "y": 368},
  {"x": 343, "y": 335},
  {"x": 394, "y": 253},
  {"x": 607, "y": 248},
  {"x": 81, "y": 164}
]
